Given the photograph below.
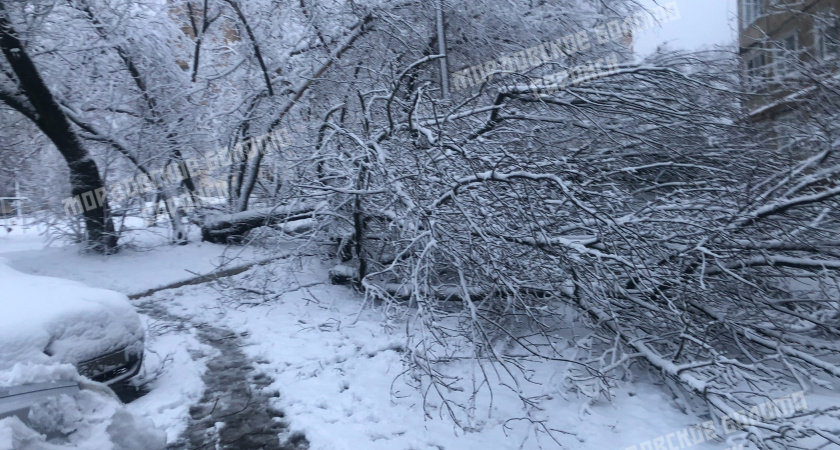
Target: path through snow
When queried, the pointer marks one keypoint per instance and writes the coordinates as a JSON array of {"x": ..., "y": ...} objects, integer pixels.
[{"x": 234, "y": 412}]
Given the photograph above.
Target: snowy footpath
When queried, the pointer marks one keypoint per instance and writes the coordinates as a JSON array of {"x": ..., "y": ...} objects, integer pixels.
[{"x": 282, "y": 359}]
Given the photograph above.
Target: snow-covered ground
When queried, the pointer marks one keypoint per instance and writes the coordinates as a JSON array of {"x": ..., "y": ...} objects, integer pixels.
[
  {"x": 343, "y": 384},
  {"x": 339, "y": 369},
  {"x": 172, "y": 373},
  {"x": 148, "y": 262}
]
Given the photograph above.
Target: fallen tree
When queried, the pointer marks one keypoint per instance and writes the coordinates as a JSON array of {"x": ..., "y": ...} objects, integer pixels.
[
  {"x": 680, "y": 236},
  {"x": 232, "y": 228}
]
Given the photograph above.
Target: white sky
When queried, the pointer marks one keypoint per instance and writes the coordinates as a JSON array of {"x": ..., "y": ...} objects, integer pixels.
[{"x": 702, "y": 23}]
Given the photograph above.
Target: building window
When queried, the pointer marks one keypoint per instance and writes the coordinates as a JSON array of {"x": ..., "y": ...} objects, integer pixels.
[
  {"x": 826, "y": 36},
  {"x": 786, "y": 56},
  {"x": 756, "y": 62},
  {"x": 751, "y": 9}
]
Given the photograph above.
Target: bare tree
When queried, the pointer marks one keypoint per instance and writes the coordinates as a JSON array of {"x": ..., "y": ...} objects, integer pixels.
[{"x": 34, "y": 100}]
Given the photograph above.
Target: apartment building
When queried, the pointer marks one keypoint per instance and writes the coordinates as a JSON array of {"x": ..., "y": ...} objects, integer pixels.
[{"x": 781, "y": 41}]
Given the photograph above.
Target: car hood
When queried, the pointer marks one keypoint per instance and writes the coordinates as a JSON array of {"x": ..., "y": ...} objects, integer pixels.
[{"x": 51, "y": 320}]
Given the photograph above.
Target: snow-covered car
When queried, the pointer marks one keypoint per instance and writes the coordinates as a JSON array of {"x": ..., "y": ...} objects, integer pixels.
[
  {"x": 51, "y": 407},
  {"x": 45, "y": 320}
]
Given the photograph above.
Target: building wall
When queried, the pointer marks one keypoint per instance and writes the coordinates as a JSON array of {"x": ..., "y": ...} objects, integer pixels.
[{"x": 780, "y": 19}]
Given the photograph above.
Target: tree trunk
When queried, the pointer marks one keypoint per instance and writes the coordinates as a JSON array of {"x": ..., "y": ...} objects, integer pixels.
[
  {"x": 84, "y": 175},
  {"x": 231, "y": 228}
]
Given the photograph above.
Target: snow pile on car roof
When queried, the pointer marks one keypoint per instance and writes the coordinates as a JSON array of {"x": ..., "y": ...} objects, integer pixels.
[
  {"x": 48, "y": 320},
  {"x": 93, "y": 418}
]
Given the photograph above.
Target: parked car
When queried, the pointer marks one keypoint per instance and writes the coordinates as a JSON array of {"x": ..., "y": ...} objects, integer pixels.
[
  {"x": 48, "y": 326},
  {"x": 15, "y": 400},
  {"x": 45, "y": 320}
]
